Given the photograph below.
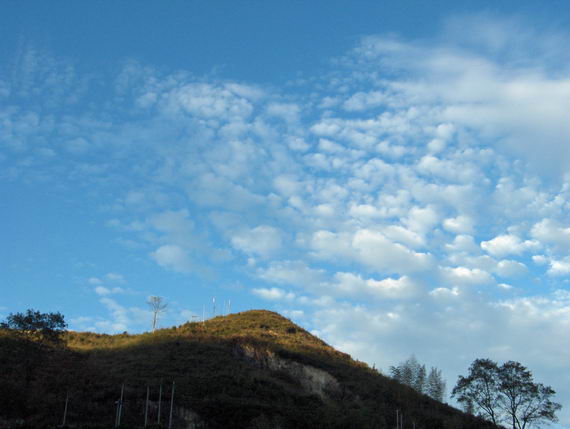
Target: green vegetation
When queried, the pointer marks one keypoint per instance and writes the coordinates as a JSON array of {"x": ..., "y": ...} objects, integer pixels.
[
  {"x": 43, "y": 327},
  {"x": 244, "y": 370}
]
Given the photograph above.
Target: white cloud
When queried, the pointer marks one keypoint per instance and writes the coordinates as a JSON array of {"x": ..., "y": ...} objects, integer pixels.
[
  {"x": 206, "y": 101},
  {"x": 173, "y": 257},
  {"x": 462, "y": 276},
  {"x": 505, "y": 286},
  {"x": 394, "y": 151},
  {"x": 350, "y": 284},
  {"x": 262, "y": 240},
  {"x": 104, "y": 291},
  {"x": 460, "y": 225},
  {"x": 115, "y": 277},
  {"x": 510, "y": 268},
  {"x": 378, "y": 252},
  {"x": 273, "y": 294},
  {"x": 445, "y": 293},
  {"x": 295, "y": 273},
  {"x": 463, "y": 243},
  {"x": 559, "y": 267},
  {"x": 287, "y": 111},
  {"x": 120, "y": 318},
  {"x": 101, "y": 289},
  {"x": 294, "y": 314},
  {"x": 287, "y": 185},
  {"x": 451, "y": 170},
  {"x": 540, "y": 259},
  {"x": 366, "y": 211},
  {"x": 504, "y": 245},
  {"x": 422, "y": 219},
  {"x": 330, "y": 245},
  {"x": 404, "y": 236},
  {"x": 364, "y": 100},
  {"x": 176, "y": 225},
  {"x": 329, "y": 146},
  {"x": 371, "y": 248},
  {"x": 551, "y": 232}
]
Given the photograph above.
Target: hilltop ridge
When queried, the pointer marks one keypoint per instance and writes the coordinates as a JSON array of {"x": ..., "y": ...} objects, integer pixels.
[{"x": 254, "y": 369}]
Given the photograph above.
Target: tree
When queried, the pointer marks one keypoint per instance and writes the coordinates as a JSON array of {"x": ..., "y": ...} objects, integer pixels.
[
  {"x": 480, "y": 388},
  {"x": 435, "y": 385},
  {"x": 157, "y": 306},
  {"x": 412, "y": 374},
  {"x": 43, "y": 327},
  {"x": 506, "y": 394},
  {"x": 524, "y": 401},
  {"x": 419, "y": 383}
]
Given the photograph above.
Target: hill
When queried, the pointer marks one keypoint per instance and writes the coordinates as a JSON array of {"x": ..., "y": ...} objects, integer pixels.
[{"x": 254, "y": 369}]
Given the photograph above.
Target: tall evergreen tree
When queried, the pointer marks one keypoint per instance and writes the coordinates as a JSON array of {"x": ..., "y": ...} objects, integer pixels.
[
  {"x": 419, "y": 383},
  {"x": 412, "y": 374},
  {"x": 436, "y": 385}
]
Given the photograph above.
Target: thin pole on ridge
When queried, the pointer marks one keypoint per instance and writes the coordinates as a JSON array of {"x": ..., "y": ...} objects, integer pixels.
[
  {"x": 159, "y": 401},
  {"x": 146, "y": 405},
  {"x": 171, "y": 407},
  {"x": 65, "y": 409}
]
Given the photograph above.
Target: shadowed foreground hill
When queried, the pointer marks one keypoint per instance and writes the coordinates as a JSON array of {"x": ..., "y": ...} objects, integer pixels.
[{"x": 248, "y": 370}]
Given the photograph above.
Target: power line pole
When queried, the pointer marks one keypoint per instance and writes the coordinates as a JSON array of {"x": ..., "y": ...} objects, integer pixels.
[
  {"x": 65, "y": 409},
  {"x": 146, "y": 405},
  {"x": 171, "y": 407},
  {"x": 120, "y": 407},
  {"x": 159, "y": 400}
]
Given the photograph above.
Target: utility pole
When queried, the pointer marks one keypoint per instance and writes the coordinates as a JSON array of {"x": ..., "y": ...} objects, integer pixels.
[
  {"x": 65, "y": 409},
  {"x": 159, "y": 401},
  {"x": 120, "y": 407},
  {"x": 146, "y": 405},
  {"x": 171, "y": 407},
  {"x": 214, "y": 304},
  {"x": 203, "y": 314}
]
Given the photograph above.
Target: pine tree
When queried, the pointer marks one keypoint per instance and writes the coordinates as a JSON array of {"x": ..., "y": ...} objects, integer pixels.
[
  {"x": 412, "y": 374},
  {"x": 419, "y": 383},
  {"x": 436, "y": 385}
]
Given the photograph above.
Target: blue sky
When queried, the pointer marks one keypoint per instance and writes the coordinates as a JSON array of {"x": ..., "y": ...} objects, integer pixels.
[{"x": 392, "y": 176}]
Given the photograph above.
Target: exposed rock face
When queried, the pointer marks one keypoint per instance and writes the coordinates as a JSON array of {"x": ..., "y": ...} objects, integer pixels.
[{"x": 313, "y": 380}]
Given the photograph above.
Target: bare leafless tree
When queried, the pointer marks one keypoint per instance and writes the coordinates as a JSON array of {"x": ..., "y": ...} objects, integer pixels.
[{"x": 157, "y": 306}]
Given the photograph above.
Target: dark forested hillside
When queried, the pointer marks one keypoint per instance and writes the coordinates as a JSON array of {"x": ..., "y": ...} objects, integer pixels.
[{"x": 249, "y": 370}]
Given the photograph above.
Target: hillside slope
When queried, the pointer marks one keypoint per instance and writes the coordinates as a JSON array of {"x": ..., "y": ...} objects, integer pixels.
[{"x": 248, "y": 370}]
